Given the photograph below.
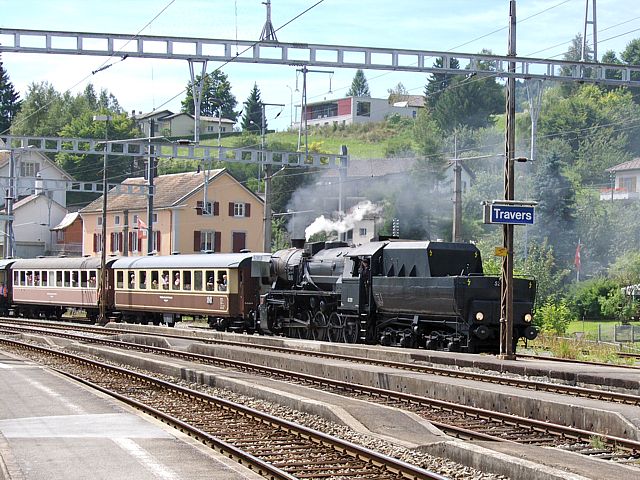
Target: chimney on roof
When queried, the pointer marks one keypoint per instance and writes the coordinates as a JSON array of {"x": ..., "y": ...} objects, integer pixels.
[{"x": 39, "y": 185}]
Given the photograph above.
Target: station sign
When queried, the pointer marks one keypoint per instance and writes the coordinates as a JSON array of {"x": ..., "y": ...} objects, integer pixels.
[{"x": 509, "y": 213}]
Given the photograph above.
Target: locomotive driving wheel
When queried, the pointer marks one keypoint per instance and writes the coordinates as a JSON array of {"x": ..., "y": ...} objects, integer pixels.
[
  {"x": 335, "y": 328},
  {"x": 318, "y": 327},
  {"x": 351, "y": 330}
]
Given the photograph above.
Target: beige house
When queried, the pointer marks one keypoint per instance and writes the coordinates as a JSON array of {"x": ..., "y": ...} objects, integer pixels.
[{"x": 229, "y": 219}]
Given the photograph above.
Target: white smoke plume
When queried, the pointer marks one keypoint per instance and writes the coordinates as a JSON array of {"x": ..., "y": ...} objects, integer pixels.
[{"x": 347, "y": 222}]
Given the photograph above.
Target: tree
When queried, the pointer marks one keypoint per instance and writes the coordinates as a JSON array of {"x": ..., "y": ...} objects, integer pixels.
[
  {"x": 468, "y": 101},
  {"x": 430, "y": 166},
  {"x": 216, "y": 94},
  {"x": 556, "y": 207},
  {"x": 252, "y": 117},
  {"x": 359, "y": 86},
  {"x": 89, "y": 167},
  {"x": 45, "y": 111},
  {"x": 9, "y": 101},
  {"x": 439, "y": 82},
  {"x": 398, "y": 93}
]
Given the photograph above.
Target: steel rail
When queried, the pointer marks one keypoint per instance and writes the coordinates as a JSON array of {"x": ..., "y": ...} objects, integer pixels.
[{"x": 366, "y": 455}]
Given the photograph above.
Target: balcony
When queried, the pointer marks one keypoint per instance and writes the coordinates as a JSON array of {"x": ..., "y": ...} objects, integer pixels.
[{"x": 618, "y": 193}]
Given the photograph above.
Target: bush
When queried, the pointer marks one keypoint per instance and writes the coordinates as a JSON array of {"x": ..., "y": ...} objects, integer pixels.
[{"x": 554, "y": 317}]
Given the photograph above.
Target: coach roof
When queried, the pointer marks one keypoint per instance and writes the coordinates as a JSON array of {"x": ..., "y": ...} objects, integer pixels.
[{"x": 202, "y": 260}]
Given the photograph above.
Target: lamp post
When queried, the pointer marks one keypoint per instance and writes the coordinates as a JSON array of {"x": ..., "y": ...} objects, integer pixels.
[{"x": 102, "y": 290}]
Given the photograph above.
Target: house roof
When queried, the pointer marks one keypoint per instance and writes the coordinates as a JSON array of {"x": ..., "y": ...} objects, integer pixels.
[
  {"x": 28, "y": 199},
  {"x": 630, "y": 165},
  {"x": 154, "y": 113},
  {"x": 170, "y": 191},
  {"x": 4, "y": 160},
  {"x": 409, "y": 101},
  {"x": 68, "y": 219}
]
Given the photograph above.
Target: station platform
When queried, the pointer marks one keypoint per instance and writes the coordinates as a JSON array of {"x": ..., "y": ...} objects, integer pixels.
[{"x": 52, "y": 428}]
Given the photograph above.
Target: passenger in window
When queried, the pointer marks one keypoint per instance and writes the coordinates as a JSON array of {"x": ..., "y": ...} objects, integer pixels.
[
  {"x": 92, "y": 281},
  {"x": 210, "y": 284},
  {"x": 132, "y": 280},
  {"x": 176, "y": 281},
  {"x": 165, "y": 281},
  {"x": 36, "y": 279},
  {"x": 222, "y": 285},
  {"x": 154, "y": 284}
]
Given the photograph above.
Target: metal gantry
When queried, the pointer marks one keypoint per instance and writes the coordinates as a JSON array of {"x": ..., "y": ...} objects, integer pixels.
[{"x": 13, "y": 40}]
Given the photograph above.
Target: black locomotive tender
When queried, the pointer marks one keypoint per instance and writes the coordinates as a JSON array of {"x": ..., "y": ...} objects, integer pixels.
[{"x": 397, "y": 293}]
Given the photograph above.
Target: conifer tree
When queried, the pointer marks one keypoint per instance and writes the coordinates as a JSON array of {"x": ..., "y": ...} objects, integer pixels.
[
  {"x": 9, "y": 100},
  {"x": 359, "y": 86},
  {"x": 252, "y": 116}
]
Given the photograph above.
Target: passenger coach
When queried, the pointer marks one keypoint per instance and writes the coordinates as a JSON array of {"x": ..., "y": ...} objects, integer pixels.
[
  {"x": 47, "y": 286},
  {"x": 222, "y": 288}
]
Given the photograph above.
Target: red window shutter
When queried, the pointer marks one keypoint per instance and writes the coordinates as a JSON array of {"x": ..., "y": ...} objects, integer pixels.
[
  {"x": 95, "y": 242},
  {"x": 121, "y": 242},
  {"x": 231, "y": 209},
  {"x": 199, "y": 205},
  {"x": 112, "y": 240},
  {"x": 216, "y": 242},
  {"x": 158, "y": 237},
  {"x": 139, "y": 240},
  {"x": 247, "y": 209},
  {"x": 216, "y": 209},
  {"x": 196, "y": 241}
]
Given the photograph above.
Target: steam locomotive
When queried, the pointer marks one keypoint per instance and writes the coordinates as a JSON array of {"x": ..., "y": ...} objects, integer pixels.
[
  {"x": 432, "y": 295},
  {"x": 409, "y": 294}
]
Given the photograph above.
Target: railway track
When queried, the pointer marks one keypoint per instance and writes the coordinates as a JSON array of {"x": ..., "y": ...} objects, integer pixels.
[
  {"x": 457, "y": 420},
  {"x": 596, "y": 394},
  {"x": 273, "y": 447}
]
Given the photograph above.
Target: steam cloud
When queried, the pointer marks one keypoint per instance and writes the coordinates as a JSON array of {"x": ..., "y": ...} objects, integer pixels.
[{"x": 347, "y": 222}]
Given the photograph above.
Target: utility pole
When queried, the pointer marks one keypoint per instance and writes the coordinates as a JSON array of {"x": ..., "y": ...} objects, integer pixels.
[
  {"x": 102, "y": 287},
  {"x": 267, "y": 177},
  {"x": 303, "y": 110},
  {"x": 11, "y": 195},
  {"x": 594, "y": 30},
  {"x": 268, "y": 32},
  {"x": 457, "y": 193},
  {"x": 196, "y": 93},
  {"x": 506, "y": 283},
  {"x": 151, "y": 171}
]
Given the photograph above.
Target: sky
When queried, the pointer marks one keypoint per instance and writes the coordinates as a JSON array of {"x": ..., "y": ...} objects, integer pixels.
[{"x": 545, "y": 29}]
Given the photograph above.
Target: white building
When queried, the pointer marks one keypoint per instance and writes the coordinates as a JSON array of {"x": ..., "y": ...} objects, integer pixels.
[
  {"x": 626, "y": 182},
  {"x": 31, "y": 166},
  {"x": 349, "y": 110}
]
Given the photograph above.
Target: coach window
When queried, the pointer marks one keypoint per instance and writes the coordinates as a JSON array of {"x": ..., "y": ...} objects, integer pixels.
[
  {"x": 211, "y": 279},
  {"x": 142, "y": 278},
  {"x": 74, "y": 279},
  {"x": 186, "y": 280},
  {"x": 36, "y": 278},
  {"x": 166, "y": 279},
  {"x": 155, "y": 280},
  {"x": 19, "y": 280},
  {"x": 175, "y": 280},
  {"x": 132, "y": 279},
  {"x": 197, "y": 280},
  {"x": 222, "y": 280},
  {"x": 58, "y": 278},
  {"x": 29, "y": 278},
  {"x": 83, "y": 278},
  {"x": 67, "y": 278},
  {"x": 120, "y": 279},
  {"x": 44, "y": 281}
]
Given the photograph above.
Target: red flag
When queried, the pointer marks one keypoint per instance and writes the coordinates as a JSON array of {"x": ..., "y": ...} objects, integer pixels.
[
  {"x": 577, "y": 258},
  {"x": 142, "y": 229}
]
